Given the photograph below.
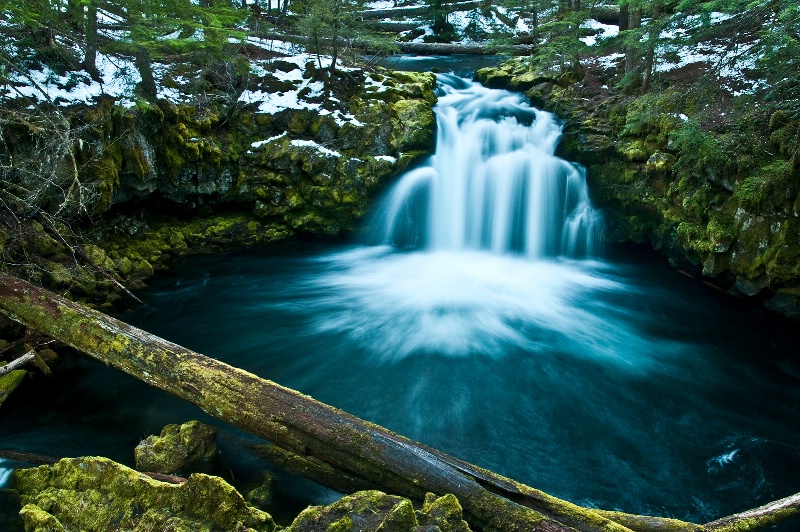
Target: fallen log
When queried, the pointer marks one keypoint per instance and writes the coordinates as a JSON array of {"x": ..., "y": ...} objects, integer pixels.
[
  {"x": 433, "y": 48},
  {"x": 415, "y": 11},
  {"x": 312, "y": 430},
  {"x": 760, "y": 517}
]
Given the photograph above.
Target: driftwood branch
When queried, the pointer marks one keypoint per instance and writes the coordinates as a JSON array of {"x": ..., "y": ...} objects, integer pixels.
[
  {"x": 332, "y": 440},
  {"x": 17, "y": 363},
  {"x": 24, "y": 340}
]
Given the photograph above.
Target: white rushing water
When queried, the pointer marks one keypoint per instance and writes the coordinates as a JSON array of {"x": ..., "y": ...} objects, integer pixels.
[
  {"x": 493, "y": 184},
  {"x": 478, "y": 247}
]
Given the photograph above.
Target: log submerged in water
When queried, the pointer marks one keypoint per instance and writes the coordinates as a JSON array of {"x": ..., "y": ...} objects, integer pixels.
[{"x": 334, "y": 441}]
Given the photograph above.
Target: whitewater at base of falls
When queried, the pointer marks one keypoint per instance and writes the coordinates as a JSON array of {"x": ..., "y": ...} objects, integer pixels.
[{"x": 464, "y": 303}]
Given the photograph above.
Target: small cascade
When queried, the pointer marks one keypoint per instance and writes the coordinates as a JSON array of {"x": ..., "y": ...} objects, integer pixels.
[{"x": 493, "y": 184}]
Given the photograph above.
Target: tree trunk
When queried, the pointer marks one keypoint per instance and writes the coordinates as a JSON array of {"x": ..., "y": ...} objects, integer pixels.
[
  {"x": 90, "y": 59},
  {"x": 314, "y": 431},
  {"x": 633, "y": 56},
  {"x": 796, "y": 153},
  {"x": 624, "y": 20},
  {"x": 147, "y": 86}
]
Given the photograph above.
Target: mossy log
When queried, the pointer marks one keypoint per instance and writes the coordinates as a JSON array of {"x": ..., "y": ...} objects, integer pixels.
[
  {"x": 310, "y": 429},
  {"x": 433, "y": 48},
  {"x": 415, "y": 11}
]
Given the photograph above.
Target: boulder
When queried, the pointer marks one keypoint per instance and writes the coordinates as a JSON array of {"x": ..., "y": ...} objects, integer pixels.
[
  {"x": 179, "y": 448},
  {"x": 95, "y": 493},
  {"x": 373, "y": 511}
]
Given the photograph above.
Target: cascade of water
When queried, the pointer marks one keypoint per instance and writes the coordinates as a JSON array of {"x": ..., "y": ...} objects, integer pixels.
[{"x": 494, "y": 182}]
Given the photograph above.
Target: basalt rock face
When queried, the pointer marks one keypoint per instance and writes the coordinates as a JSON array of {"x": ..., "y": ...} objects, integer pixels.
[
  {"x": 311, "y": 169},
  {"x": 705, "y": 196},
  {"x": 161, "y": 180}
]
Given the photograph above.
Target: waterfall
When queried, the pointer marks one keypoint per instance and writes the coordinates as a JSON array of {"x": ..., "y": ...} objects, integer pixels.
[{"x": 493, "y": 183}]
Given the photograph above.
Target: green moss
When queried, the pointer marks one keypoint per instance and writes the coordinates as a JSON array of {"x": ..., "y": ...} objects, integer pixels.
[
  {"x": 364, "y": 511},
  {"x": 9, "y": 382},
  {"x": 444, "y": 512},
  {"x": 37, "y": 520},
  {"x": 179, "y": 448},
  {"x": 98, "y": 494},
  {"x": 59, "y": 275},
  {"x": 418, "y": 123}
]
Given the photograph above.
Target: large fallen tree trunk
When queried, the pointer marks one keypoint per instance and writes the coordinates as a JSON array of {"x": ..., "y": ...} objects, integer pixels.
[
  {"x": 433, "y": 48},
  {"x": 415, "y": 11},
  {"x": 335, "y": 441}
]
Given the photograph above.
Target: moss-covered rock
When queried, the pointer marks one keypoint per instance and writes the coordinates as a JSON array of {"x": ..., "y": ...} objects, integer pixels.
[
  {"x": 99, "y": 494},
  {"x": 375, "y": 511},
  {"x": 179, "y": 448},
  {"x": 444, "y": 512},
  {"x": 705, "y": 194}
]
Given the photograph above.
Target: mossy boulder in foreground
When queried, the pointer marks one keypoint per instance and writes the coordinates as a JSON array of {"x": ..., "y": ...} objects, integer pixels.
[{"x": 99, "y": 494}]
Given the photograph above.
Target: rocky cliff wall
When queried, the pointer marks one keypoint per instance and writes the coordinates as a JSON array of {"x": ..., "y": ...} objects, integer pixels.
[
  {"x": 720, "y": 200},
  {"x": 165, "y": 179}
]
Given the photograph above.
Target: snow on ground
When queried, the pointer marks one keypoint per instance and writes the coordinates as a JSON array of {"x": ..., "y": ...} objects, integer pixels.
[
  {"x": 729, "y": 63},
  {"x": 272, "y": 45},
  {"x": 118, "y": 79},
  {"x": 604, "y": 31}
]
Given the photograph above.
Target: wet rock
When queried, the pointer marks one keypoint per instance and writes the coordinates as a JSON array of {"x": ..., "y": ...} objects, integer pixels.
[
  {"x": 179, "y": 448},
  {"x": 659, "y": 162},
  {"x": 364, "y": 511},
  {"x": 443, "y": 512},
  {"x": 99, "y": 494},
  {"x": 375, "y": 511},
  {"x": 261, "y": 495}
]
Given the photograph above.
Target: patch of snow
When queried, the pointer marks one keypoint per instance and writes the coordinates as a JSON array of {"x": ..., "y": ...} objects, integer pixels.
[
  {"x": 272, "y": 103},
  {"x": 260, "y": 143},
  {"x": 107, "y": 17},
  {"x": 387, "y": 158},
  {"x": 609, "y": 61},
  {"x": 316, "y": 146},
  {"x": 604, "y": 31},
  {"x": 174, "y": 35},
  {"x": 272, "y": 45}
]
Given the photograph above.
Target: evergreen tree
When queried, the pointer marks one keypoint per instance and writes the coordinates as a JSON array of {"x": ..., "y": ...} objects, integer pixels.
[
  {"x": 157, "y": 28},
  {"x": 332, "y": 27}
]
